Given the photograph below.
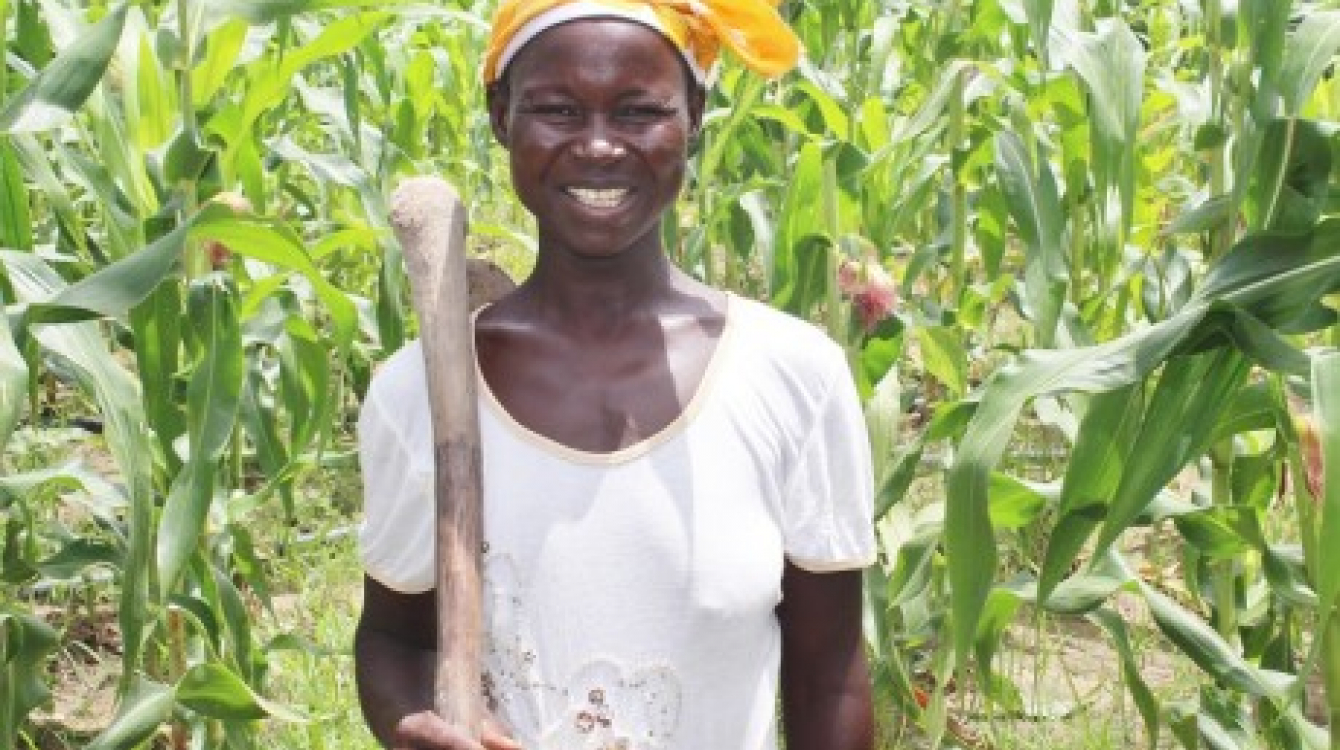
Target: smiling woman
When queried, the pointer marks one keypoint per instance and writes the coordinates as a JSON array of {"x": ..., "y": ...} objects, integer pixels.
[
  {"x": 598, "y": 144},
  {"x": 677, "y": 481}
]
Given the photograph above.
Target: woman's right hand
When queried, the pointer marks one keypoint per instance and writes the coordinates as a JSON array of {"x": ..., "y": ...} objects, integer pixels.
[{"x": 425, "y": 730}]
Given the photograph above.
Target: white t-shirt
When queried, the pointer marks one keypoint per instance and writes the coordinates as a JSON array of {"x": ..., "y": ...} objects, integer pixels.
[{"x": 630, "y": 596}]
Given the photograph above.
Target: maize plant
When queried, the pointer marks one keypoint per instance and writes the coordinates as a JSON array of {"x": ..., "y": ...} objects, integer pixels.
[{"x": 1107, "y": 221}]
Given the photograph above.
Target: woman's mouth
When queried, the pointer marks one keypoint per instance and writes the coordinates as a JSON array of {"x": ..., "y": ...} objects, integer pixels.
[{"x": 602, "y": 198}]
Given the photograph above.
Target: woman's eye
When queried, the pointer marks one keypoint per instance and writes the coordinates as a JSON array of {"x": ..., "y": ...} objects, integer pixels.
[
  {"x": 646, "y": 111},
  {"x": 552, "y": 110}
]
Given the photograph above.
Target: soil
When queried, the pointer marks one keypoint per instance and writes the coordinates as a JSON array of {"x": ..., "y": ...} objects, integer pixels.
[{"x": 84, "y": 674}]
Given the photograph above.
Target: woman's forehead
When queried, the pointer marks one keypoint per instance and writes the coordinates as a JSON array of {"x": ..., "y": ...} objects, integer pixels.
[{"x": 598, "y": 50}]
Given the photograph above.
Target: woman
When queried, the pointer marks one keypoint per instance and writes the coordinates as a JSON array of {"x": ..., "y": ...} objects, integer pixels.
[{"x": 677, "y": 480}]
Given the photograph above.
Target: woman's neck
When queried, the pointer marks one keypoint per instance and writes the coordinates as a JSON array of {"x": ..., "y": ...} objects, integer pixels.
[{"x": 572, "y": 287}]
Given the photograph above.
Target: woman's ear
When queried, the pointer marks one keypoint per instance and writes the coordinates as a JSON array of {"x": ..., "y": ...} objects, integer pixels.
[{"x": 498, "y": 96}]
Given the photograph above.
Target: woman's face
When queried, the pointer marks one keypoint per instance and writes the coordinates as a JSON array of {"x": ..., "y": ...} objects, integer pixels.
[{"x": 597, "y": 116}]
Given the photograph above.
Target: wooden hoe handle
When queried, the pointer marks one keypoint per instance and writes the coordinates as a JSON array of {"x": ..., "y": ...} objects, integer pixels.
[{"x": 430, "y": 223}]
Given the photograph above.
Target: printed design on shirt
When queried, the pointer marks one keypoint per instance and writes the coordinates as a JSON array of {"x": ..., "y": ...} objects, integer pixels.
[{"x": 602, "y": 706}]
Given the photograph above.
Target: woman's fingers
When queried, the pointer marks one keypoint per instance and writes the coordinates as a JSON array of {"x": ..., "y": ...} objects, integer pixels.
[
  {"x": 496, "y": 740},
  {"x": 426, "y": 731}
]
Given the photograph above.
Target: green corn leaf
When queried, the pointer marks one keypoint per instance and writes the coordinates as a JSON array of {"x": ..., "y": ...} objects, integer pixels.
[
  {"x": 1145, "y": 701},
  {"x": 334, "y": 169},
  {"x": 1198, "y": 641},
  {"x": 276, "y": 243},
  {"x": 1039, "y": 14},
  {"x": 67, "y": 81},
  {"x": 1273, "y": 276},
  {"x": 185, "y": 513},
  {"x": 157, "y": 324},
  {"x": 1111, "y": 62},
  {"x": 1279, "y": 277},
  {"x": 268, "y": 11},
  {"x": 942, "y": 353},
  {"x": 800, "y": 262},
  {"x": 1203, "y": 217},
  {"x": 883, "y": 412},
  {"x": 249, "y": 569},
  {"x": 36, "y": 166},
  {"x": 115, "y": 289},
  {"x": 13, "y": 382},
  {"x": 1031, "y": 195},
  {"x": 25, "y": 644},
  {"x": 1083, "y": 592},
  {"x": 1266, "y": 24},
  {"x": 724, "y": 137},
  {"x": 215, "y": 388},
  {"x": 997, "y": 616},
  {"x": 969, "y": 540},
  {"x": 215, "y": 691},
  {"x": 237, "y": 618},
  {"x": 1092, "y": 475},
  {"x": 1287, "y": 573},
  {"x": 29, "y": 485},
  {"x": 836, "y": 122},
  {"x": 1034, "y": 204},
  {"x": 1253, "y": 408},
  {"x": 1191, "y": 394},
  {"x": 1015, "y": 503},
  {"x": 261, "y": 423},
  {"x": 932, "y": 113},
  {"x": 151, "y": 98},
  {"x": 213, "y": 398},
  {"x": 1266, "y": 346},
  {"x": 1182, "y": 723},
  {"x": 1211, "y": 532},
  {"x": 1326, "y": 401},
  {"x": 305, "y": 382},
  {"x": 201, "y": 617},
  {"x": 82, "y": 348},
  {"x": 898, "y": 475},
  {"x": 144, "y": 708},
  {"x": 272, "y": 83},
  {"x": 1293, "y": 176},
  {"x": 225, "y": 44},
  {"x": 79, "y": 554},
  {"x": 16, "y": 222},
  {"x": 912, "y": 570},
  {"x": 1311, "y": 49}
]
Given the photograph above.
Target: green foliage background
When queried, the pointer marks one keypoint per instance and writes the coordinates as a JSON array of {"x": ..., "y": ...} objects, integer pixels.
[{"x": 1112, "y": 224}]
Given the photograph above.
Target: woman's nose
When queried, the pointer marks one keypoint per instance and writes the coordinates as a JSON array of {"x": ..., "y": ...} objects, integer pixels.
[{"x": 597, "y": 143}]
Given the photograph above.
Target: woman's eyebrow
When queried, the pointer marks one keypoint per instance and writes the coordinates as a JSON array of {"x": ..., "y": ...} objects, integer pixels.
[
  {"x": 542, "y": 89},
  {"x": 663, "y": 95}
]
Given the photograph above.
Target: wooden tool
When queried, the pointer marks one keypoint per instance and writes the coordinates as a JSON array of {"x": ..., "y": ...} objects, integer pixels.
[{"x": 430, "y": 223}]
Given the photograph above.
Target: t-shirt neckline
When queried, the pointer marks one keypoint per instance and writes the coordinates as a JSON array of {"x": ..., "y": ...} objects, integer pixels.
[{"x": 642, "y": 447}]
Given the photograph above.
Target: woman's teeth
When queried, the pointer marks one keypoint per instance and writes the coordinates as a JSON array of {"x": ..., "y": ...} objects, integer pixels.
[{"x": 606, "y": 198}]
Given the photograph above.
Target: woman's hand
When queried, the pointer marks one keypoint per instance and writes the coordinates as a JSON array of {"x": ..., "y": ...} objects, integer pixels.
[
  {"x": 424, "y": 730},
  {"x": 395, "y": 658}
]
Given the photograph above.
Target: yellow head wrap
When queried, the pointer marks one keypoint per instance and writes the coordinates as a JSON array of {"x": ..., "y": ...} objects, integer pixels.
[{"x": 752, "y": 29}]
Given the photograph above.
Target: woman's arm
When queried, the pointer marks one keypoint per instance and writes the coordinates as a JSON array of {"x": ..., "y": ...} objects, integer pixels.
[
  {"x": 395, "y": 655},
  {"x": 826, "y": 695}
]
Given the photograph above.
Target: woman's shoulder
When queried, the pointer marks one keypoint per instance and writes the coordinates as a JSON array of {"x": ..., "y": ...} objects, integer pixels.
[
  {"x": 780, "y": 342},
  {"x": 780, "y": 333},
  {"x": 398, "y": 382}
]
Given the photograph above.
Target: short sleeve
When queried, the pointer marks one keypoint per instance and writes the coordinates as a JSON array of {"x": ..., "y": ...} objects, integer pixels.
[
  {"x": 396, "y": 537},
  {"x": 829, "y": 495}
]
